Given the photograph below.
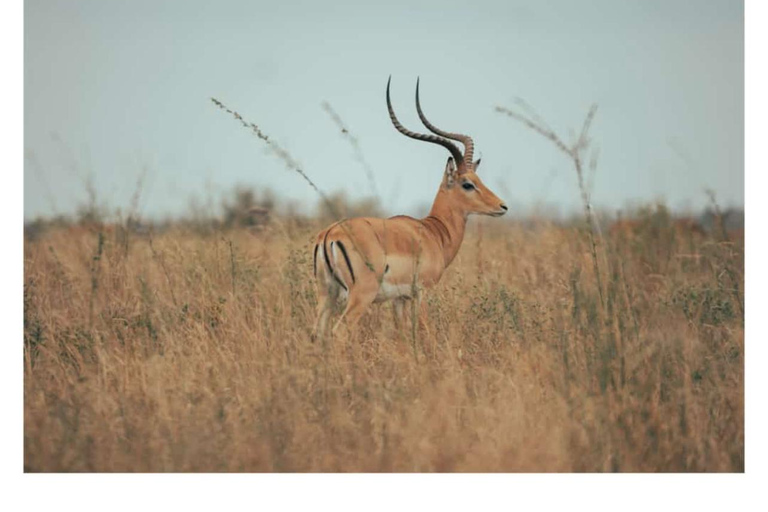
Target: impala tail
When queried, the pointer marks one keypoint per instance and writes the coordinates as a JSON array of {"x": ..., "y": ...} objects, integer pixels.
[{"x": 332, "y": 262}]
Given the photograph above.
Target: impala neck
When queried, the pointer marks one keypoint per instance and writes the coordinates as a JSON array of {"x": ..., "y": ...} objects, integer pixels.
[{"x": 448, "y": 222}]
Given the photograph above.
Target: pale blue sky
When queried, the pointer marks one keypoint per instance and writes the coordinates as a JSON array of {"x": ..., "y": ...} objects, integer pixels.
[{"x": 114, "y": 87}]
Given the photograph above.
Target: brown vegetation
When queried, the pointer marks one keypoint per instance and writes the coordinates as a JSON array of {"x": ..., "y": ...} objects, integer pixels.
[
  {"x": 190, "y": 352},
  {"x": 683, "y": 226}
]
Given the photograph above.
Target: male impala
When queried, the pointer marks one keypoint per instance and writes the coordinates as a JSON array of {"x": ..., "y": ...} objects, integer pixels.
[{"x": 366, "y": 260}]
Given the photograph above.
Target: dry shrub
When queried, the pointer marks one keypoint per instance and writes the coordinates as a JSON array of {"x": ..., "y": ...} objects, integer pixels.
[{"x": 184, "y": 352}]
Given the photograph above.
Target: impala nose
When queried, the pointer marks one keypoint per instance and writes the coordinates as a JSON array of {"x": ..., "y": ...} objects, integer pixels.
[{"x": 504, "y": 207}]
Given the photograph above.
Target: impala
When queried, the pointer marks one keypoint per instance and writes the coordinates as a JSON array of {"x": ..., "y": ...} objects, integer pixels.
[{"x": 369, "y": 260}]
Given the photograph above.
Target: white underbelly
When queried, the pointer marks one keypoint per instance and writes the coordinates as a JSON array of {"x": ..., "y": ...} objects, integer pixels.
[{"x": 389, "y": 291}]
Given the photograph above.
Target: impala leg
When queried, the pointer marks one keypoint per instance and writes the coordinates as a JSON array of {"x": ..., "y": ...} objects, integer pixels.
[
  {"x": 358, "y": 301},
  {"x": 324, "y": 310},
  {"x": 328, "y": 298},
  {"x": 398, "y": 313}
]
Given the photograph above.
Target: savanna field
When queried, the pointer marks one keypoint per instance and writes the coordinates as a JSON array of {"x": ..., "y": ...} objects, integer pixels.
[{"x": 190, "y": 351}]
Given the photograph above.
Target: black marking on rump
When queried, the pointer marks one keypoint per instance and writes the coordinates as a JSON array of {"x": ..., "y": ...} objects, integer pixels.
[
  {"x": 346, "y": 258},
  {"x": 314, "y": 261},
  {"x": 386, "y": 269},
  {"x": 328, "y": 261}
]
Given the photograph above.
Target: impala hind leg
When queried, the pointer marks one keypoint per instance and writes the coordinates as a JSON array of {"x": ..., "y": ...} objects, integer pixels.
[
  {"x": 324, "y": 311},
  {"x": 398, "y": 313},
  {"x": 328, "y": 303},
  {"x": 358, "y": 301}
]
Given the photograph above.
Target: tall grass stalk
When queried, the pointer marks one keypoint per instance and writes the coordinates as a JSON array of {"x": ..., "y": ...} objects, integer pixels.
[
  {"x": 293, "y": 165},
  {"x": 355, "y": 143},
  {"x": 576, "y": 152}
]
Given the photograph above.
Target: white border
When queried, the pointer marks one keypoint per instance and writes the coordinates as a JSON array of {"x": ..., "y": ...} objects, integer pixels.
[
  {"x": 11, "y": 219},
  {"x": 756, "y": 274},
  {"x": 383, "y": 492}
]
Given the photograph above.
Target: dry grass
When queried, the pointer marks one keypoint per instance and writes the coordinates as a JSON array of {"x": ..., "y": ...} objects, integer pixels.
[{"x": 193, "y": 354}]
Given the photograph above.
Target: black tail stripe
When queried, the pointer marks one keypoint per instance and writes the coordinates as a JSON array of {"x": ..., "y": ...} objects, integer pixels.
[
  {"x": 314, "y": 261},
  {"x": 325, "y": 253},
  {"x": 328, "y": 261},
  {"x": 346, "y": 258}
]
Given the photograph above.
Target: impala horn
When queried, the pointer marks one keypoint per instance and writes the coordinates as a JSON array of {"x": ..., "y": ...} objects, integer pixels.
[
  {"x": 469, "y": 144},
  {"x": 450, "y": 146}
]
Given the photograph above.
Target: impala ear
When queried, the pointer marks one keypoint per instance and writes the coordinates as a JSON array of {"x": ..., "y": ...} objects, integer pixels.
[
  {"x": 476, "y": 164},
  {"x": 450, "y": 172}
]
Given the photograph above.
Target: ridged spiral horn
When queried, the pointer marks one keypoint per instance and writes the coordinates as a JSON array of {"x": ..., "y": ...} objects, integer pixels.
[
  {"x": 469, "y": 144},
  {"x": 455, "y": 152}
]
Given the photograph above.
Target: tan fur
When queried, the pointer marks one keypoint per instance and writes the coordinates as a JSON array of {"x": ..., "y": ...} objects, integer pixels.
[
  {"x": 399, "y": 257},
  {"x": 366, "y": 260}
]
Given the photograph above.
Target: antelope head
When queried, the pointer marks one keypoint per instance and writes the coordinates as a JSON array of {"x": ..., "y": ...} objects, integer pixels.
[{"x": 461, "y": 187}]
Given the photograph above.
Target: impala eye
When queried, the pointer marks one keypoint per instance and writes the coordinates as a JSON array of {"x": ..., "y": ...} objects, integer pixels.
[{"x": 468, "y": 185}]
